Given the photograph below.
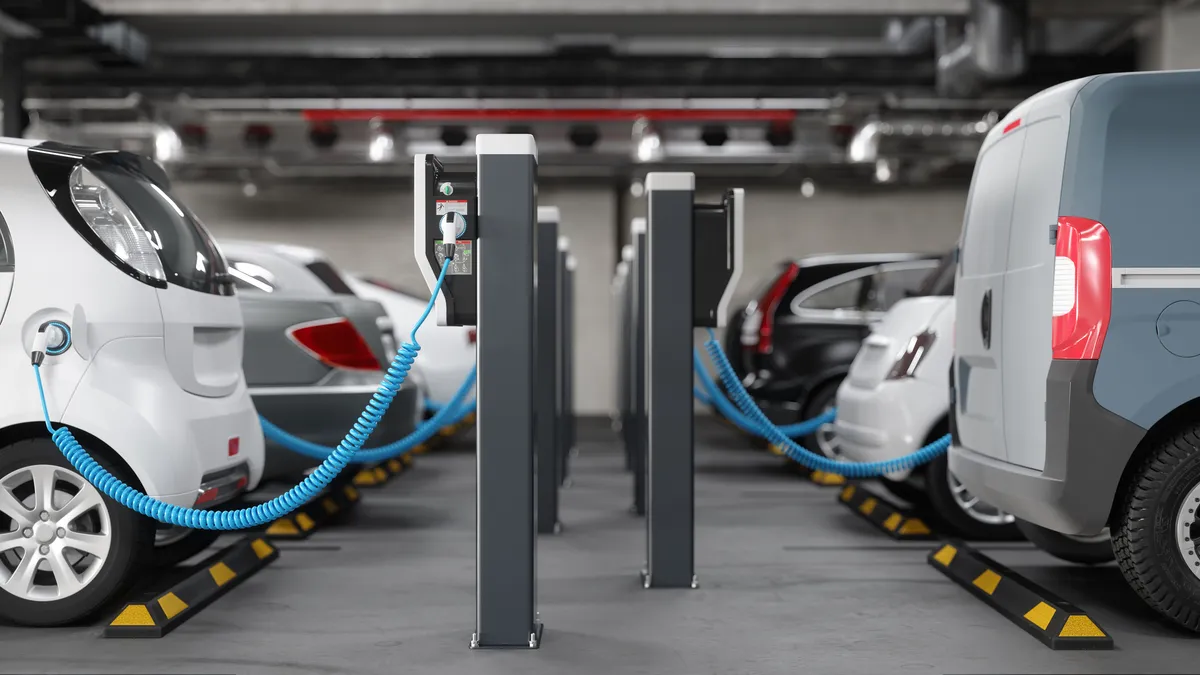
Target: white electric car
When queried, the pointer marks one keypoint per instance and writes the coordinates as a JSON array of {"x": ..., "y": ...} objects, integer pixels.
[
  {"x": 895, "y": 400},
  {"x": 151, "y": 382}
]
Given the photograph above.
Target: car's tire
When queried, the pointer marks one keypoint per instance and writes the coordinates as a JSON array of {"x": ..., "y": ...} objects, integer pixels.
[
  {"x": 1085, "y": 551},
  {"x": 1154, "y": 551},
  {"x": 906, "y": 491},
  {"x": 180, "y": 549},
  {"x": 123, "y": 544},
  {"x": 822, "y": 441},
  {"x": 979, "y": 523}
]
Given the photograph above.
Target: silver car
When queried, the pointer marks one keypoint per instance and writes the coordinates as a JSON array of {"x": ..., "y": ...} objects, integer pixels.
[{"x": 315, "y": 353}]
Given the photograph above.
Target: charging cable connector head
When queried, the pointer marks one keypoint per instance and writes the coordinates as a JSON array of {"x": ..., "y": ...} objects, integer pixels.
[
  {"x": 449, "y": 227},
  {"x": 52, "y": 338}
]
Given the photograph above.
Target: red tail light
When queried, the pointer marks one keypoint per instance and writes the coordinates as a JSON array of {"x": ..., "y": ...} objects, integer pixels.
[
  {"x": 234, "y": 445},
  {"x": 336, "y": 343},
  {"x": 472, "y": 336},
  {"x": 1082, "y": 289},
  {"x": 207, "y": 496},
  {"x": 769, "y": 302}
]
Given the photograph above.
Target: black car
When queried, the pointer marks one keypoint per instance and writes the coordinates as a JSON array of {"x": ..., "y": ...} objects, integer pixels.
[{"x": 793, "y": 344}]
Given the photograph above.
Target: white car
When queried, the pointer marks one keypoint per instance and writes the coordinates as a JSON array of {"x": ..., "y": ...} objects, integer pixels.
[
  {"x": 151, "y": 382},
  {"x": 447, "y": 352},
  {"x": 896, "y": 400}
]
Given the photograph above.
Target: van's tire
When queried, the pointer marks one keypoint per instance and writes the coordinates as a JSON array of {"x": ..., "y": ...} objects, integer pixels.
[
  {"x": 1145, "y": 526},
  {"x": 984, "y": 526},
  {"x": 821, "y": 400},
  {"x": 174, "y": 553},
  {"x": 1090, "y": 551},
  {"x": 129, "y": 539}
]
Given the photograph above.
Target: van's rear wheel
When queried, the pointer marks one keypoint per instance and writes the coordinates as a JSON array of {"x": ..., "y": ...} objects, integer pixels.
[
  {"x": 1083, "y": 550},
  {"x": 968, "y": 515},
  {"x": 66, "y": 550},
  {"x": 1156, "y": 530}
]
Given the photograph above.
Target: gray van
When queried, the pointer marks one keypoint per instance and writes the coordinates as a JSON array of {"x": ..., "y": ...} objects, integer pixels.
[{"x": 1076, "y": 381}]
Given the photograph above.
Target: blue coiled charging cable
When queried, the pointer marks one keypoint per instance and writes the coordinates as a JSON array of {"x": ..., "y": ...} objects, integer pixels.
[
  {"x": 452, "y": 412},
  {"x": 755, "y": 418},
  {"x": 261, "y": 514},
  {"x": 713, "y": 396}
]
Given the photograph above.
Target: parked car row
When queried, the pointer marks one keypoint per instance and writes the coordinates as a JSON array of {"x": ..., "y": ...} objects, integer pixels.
[
  {"x": 1065, "y": 322},
  {"x": 177, "y": 343}
]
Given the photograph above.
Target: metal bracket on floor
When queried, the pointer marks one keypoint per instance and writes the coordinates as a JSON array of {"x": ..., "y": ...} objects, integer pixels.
[
  {"x": 882, "y": 513},
  {"x": 219, "y": 575},
  {"x": 302, "y": 522},
  {"x": 1054, "y": 621}
]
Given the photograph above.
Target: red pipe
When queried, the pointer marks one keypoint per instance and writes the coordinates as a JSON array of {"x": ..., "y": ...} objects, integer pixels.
[{"x": 550, "y": 114}]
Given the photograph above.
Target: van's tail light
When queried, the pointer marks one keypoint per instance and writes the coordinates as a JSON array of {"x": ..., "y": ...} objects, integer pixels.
[
  {"x": 769, "y": 303},
  {"x": 336, "y": 343},
  {"x": 1082, "y": 289}
]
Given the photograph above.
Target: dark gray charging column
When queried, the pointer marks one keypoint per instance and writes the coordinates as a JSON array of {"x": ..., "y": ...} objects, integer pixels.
[
  {"x": 669, "y": 319},
  {"x": 637, "y": 364},
  {"x": 506, "y": 614},
  {"x": 567, "y": 381},
  {"x": 549, "y": 437}
]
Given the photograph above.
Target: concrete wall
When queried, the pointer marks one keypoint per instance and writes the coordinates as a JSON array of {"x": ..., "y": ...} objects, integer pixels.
[{"x": 368, "y": 229}]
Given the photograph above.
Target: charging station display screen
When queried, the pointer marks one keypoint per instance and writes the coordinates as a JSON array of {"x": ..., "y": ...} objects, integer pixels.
[{"x": 462, "y": 263}]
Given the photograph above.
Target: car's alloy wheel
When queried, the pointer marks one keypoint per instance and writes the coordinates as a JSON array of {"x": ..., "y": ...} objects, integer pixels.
[
  {"x": 974, "y": 506},
  {"x": 58, "y": 533},
  {"x": 827, "y": 440},
  {"x": 66, "y": 551}
]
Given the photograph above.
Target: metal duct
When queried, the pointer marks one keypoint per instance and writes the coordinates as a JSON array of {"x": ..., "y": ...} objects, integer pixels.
[
  {"x": 992, "y": 49},
  {"x": 917, "y": 138}
]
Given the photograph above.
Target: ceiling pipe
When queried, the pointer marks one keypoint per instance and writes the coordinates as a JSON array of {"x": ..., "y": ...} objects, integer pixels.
[
  {"x": 870, "y": 142},
  {"x": 993, "y": 47},
  {"x": 910, "y": 37}
]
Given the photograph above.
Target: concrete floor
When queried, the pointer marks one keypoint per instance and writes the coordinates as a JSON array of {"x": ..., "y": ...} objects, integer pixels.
[{"x": 790, "y": 581}]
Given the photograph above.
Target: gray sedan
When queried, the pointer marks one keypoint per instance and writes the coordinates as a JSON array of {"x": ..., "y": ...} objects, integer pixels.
[{"x": 314, "y": 352}]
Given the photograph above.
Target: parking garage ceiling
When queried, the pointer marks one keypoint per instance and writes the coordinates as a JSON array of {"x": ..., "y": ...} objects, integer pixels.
[{"x": 915, "y": 68}]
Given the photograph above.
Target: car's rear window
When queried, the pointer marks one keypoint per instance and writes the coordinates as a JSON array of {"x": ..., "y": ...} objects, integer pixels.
[
  {"x": 941, "y": 280},
  {"x": 330, "y": 277}
]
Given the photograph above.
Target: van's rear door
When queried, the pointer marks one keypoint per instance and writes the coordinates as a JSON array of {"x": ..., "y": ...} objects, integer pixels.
[
  {"x": 980, "y": 296},
  {"x": 1029, "y": 290}
]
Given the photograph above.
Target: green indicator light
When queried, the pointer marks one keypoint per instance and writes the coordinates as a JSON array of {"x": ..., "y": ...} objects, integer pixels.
[{"x": 447, "y": 189}]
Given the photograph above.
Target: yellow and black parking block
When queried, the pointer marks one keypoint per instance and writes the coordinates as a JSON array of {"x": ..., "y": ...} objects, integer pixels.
[
  {"x": 301, "y": 523},
  {"x": 826, "y": 479},
  {"x": 372, "y": 476},
  {"x": 1054, "y": 621},
  {"x": 882, "y": 513},
  {"x": 219, "y": 575}
]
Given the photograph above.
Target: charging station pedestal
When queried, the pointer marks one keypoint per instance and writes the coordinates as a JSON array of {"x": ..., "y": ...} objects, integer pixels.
[
  {"x": 490, "y": 213},
  {"x": 566, "y": 381},
  {"x": 692, "y": 264},
  {"x": 549, "y": 370},
  {"x": 637, "y": 364}
]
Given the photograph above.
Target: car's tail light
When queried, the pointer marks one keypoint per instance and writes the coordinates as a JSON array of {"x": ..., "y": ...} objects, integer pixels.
[
  {"x": 918, "y": 347},
  {"x": 206, "y": 496},
  {"x": 472, "y": 336},
  {"x": 336, "y": 343},
  {"x": 1082, "y": 289},
  {"x": 769, "y": 303},
  {"x": 115, "y": 224},
  {"x": 235, "y": 444}
]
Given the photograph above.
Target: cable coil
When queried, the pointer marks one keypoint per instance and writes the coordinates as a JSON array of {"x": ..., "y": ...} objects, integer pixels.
[
  {"x": 759, "y": 423},
  {"x": 269, "y": 511}
]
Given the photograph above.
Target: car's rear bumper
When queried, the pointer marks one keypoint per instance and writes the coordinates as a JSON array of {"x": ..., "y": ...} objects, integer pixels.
[
  {"x": 1087, "y": 449},
  {"x": 887, "y": 421},
  {"x": 323, "y": 415}
]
